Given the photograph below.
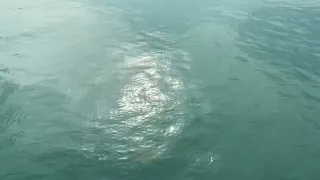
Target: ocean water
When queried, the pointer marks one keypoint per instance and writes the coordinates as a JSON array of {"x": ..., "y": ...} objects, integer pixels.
[{"x": 160, "y": 90}]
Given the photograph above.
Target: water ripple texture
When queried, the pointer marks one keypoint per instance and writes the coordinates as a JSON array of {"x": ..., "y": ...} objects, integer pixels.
[{"x": 146, "y": 89}]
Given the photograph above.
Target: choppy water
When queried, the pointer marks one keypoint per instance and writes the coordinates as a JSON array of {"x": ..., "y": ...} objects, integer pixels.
[{"x": 161, "y": 90}]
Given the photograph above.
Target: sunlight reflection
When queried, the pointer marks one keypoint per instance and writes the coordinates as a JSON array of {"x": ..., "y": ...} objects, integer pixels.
[{"x": 145, "y": 104}]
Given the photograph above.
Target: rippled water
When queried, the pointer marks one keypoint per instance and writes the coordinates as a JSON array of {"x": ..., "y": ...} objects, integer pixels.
[{"x": 146, "y": 89}]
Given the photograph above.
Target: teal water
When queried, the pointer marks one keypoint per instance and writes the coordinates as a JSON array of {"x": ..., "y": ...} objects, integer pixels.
[{"x": 160, "y": 90}]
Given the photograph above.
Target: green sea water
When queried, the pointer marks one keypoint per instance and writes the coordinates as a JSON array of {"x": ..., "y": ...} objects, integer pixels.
[{"x": 160, "y": 90}]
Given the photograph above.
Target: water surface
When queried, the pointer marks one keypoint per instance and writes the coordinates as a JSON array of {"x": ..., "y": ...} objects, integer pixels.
[{"x": 141, "y": 90}]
